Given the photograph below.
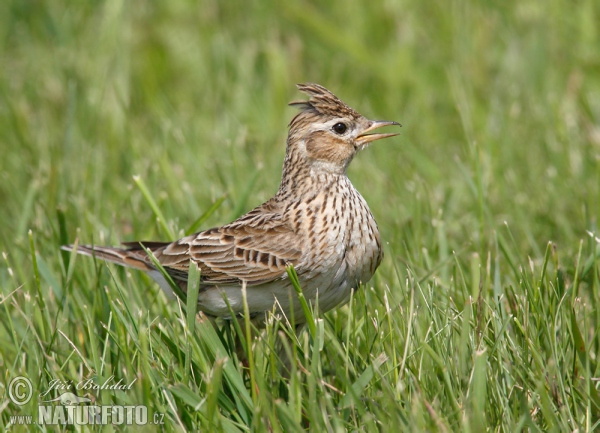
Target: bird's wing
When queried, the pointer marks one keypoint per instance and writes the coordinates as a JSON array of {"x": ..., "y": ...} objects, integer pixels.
[{"x": 255, "y": 248}]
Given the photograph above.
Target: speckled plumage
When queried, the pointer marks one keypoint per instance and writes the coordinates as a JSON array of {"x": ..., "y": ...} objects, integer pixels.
[{"x": 317, "y": 221}]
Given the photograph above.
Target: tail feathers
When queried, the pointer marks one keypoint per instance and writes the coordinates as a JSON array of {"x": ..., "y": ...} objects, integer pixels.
[
  {"x": 152, "y": 245},
  {"x": 134, "y": 256}
]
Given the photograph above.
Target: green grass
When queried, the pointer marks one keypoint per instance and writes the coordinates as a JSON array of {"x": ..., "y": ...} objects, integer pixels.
[{"x": 485, "y": 312}]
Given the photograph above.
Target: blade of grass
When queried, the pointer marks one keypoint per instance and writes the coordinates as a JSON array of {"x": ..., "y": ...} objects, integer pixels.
[
  {"x": 303, "y": 303},
  {"x": 361, "y": 383},
  {"x": 588, "y": 365},
  {"x": 241, "y": 203},
  {"x": 249, "y": 354},
  {"x": 193, "y": 287},
  {"x": 236, "y": 323},
  {"x": 152, "y": 203},
  {"x": 176, "y": 289},
  {"x": 206, "y": 215}
]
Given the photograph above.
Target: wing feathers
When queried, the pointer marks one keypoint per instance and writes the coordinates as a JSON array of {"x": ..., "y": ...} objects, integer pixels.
[{"x": 255, "y": 248}]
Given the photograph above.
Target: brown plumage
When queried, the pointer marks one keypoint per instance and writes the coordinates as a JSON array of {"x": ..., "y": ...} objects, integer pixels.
[{"x": 317, "y": 222}]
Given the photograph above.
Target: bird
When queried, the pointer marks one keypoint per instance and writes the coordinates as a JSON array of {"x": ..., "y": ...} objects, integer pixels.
[{"x": 317, "y": 222}]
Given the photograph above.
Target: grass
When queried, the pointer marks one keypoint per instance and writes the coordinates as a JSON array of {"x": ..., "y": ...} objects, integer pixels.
[{"x": 484, "y": 313}]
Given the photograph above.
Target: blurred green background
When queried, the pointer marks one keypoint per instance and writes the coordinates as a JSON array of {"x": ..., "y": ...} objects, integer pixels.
[
  {"x": 498, "y": 155},
  {"x": 500, "y": 103}
]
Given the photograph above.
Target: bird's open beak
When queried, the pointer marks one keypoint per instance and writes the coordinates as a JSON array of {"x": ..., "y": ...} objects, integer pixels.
[{"x": 364, "y": 137}]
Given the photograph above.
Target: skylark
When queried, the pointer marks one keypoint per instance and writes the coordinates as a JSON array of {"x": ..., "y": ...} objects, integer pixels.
[{"x": 317, "y": 222}]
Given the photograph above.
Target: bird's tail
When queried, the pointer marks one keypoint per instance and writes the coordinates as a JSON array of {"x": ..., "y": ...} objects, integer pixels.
[{"x": 133, "y": 255}]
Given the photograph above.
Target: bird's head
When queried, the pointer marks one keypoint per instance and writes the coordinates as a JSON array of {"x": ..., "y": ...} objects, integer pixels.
[{"x": 327, "y": 133}]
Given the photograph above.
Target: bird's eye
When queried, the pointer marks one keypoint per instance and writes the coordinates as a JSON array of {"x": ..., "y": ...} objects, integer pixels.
[{"x": 340, "y": 128}]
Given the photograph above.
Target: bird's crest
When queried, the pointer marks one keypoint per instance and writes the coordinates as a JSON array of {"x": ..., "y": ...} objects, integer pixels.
[{"x": 323, "y": 101}]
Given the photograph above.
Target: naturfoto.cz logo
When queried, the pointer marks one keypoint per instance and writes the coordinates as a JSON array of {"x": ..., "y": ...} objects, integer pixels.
[{"x": 69, "y": 409}]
